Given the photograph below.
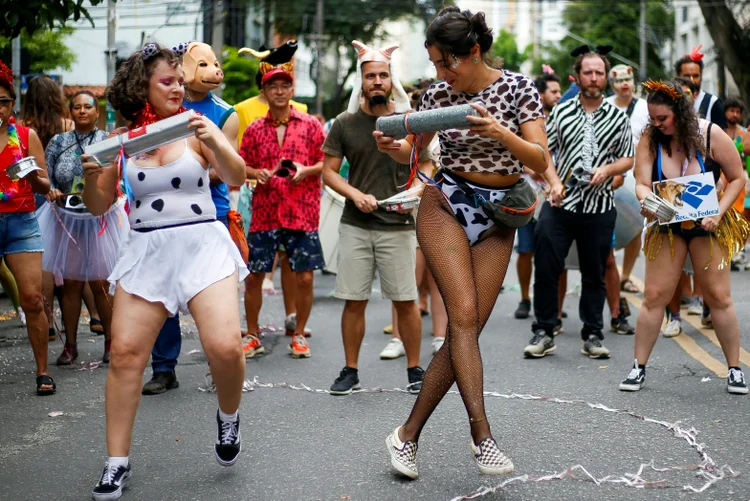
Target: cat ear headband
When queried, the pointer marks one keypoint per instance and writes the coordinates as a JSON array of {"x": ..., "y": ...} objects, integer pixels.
[
  {"x": 149, "y": 50},
  {"x": 602, "y": 50}
]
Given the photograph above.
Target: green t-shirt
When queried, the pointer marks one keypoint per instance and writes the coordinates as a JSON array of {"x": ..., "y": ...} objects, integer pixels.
[{"x": 370, "y": 171}]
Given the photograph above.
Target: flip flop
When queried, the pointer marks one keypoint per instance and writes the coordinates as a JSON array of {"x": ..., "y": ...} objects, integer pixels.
[
  {"x": 627, "y": 285},
  {"x": 45, "y": 380},
  {"x": 96, "y": 325}
]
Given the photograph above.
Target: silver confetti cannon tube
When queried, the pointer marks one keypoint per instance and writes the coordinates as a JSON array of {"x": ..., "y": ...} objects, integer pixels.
[
  {"x": 143, "y": 139},
  {"x": 453, "y": 117}
]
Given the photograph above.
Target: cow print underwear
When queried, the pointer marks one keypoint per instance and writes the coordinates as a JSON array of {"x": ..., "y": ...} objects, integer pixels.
[{"x": 468, "y": 211}]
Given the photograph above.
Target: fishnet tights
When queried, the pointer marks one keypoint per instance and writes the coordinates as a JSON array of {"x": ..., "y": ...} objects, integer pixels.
[{"x": 469, "y": 280}]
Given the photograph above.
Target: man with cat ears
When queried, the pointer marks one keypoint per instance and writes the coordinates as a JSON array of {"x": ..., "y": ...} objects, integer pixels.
[{"x": 372, "y": 238}]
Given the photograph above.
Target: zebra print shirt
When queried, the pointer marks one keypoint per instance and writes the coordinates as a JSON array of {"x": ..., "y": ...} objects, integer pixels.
[{"x": 587, "y": 140}]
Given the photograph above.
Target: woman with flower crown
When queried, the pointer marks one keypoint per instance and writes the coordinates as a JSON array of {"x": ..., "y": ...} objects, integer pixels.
[
  {"x": 21, "y": 242},
  {"x": 177, "y": 257},
  {"x": 677, "y": 144}
]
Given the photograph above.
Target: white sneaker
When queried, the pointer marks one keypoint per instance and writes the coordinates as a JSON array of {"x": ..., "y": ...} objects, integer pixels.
[
  {"x": 394, "y": 349},
  {"x": 695, "y": 307},
  {"x": 673, "y": 328},
  {"x": 268, "y": 284},
  {"x": 437, "y": 343},
  {"x": 21, "y": 316}
]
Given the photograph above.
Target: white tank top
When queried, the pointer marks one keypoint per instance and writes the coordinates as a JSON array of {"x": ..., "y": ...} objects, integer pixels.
[{"x": 169, "y": 195}]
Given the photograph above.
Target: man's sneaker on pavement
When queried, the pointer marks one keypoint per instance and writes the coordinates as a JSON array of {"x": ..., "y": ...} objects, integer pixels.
[
  {"x": 558, "y": 328},
  {"x": 635, "y": 380},
  {"x": 403, "y": 454},
  {"x": 160, "y": 382},
  {"x": 347, "y": 381},
  {"x": 416, "y": 376},
  {"x": 437, "y": 343},
  {"x": 593, "y": 347},
  {"x": 620, "y": 325},
  {"x": 299, "y": 348},
  {"x": 228, "y": 445},
  {"x": 736, "y": 382},
  {"x": 111, "y": 483},
  {"x": 252, "y": 346},
  {"x": 393, "y": 350},
  {"x": 489, "y": 458},
  {"x": 524, "y": 308},
  {"x": 695, "y": 306},
  {"x": 673, "y": 327},
  {"x": 540, "y": 345}
]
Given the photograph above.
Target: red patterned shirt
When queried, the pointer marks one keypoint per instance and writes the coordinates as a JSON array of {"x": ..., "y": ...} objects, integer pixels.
[{"x": 281, "y": 203}]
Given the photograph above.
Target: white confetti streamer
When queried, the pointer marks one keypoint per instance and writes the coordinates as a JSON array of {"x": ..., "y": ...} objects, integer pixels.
[{"x": 707, "y": 469}]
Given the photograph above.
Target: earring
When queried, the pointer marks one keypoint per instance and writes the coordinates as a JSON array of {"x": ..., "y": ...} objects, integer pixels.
[
  {"x": 456, "y": 62},
  {"x": 475, "y": 60}
]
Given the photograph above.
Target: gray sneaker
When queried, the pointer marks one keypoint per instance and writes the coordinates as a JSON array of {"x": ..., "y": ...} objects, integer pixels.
[
  {"x": 540, "y": 345},
  {"x": 593, "y": 348}
]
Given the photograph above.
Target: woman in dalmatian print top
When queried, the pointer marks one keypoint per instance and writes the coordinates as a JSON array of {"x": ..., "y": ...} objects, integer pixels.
[
  {"x": 467, "y": 253},
  {"x": 177, "y": 257}
]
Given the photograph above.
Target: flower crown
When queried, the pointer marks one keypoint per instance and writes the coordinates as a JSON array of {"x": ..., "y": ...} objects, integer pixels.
[{"x": 671, "y": 91}]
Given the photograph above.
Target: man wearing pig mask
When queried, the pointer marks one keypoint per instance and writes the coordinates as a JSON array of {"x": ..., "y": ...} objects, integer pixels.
[{"x": 202, "y": 75}]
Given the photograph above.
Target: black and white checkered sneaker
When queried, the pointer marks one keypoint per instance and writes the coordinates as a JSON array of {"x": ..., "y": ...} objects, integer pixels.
[
  {"x": 736, "y": 382},
  {"x": 111, "y": 483},
  {"x": 403, "y": 454},
  {"x": 489, "y": 458}
]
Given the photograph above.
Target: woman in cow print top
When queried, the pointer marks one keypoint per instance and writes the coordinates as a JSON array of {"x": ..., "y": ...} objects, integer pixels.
[
  {"x": 467, "y": 253},
  {"x": 178, "y": 257}
]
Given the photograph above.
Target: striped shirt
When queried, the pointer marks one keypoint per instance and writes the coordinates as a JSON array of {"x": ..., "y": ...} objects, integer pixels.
[{"x": 584, "y": 141}]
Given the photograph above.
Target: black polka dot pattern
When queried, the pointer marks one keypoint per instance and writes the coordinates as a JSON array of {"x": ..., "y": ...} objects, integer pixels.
[
  {"x": 196, "y": 208},
  {"x": 200, "y": 183},
  {"x": 137, "y": 221},
  {"x": 141, "y": 176},
  {"x": 176, "y": 183},
  {"x": 157, "y": 205},
  {"x": 137, "y": 204}
]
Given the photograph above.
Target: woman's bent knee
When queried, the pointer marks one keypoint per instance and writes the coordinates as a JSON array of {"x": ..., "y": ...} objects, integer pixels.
[{"x": 31, "y": 302}]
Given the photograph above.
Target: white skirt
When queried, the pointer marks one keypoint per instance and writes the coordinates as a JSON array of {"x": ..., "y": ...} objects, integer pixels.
[
  {"x": 172, "y": 265},
  {"x": 81, "y": 246}
]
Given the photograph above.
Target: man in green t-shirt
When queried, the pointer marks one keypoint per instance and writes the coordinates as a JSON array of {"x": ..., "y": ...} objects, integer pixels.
[{"x": 372, "y": 238}]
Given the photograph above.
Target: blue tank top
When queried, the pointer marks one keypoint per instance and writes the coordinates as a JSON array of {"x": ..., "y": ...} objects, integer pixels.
[
  {"x": 218, "y": 111},
  {"x": 168, "y": 195}
]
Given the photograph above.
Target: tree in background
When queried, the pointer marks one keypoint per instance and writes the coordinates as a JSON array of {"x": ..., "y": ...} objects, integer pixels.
[
  {"x": 46, "y": 48},
  {"x": 731, "y": 39},
  {"x": 33, "y": 15},
  {"x": 505, "y": 47},
  {"x": 239, "y": 76},
  {"x": 616, "y": 24}
]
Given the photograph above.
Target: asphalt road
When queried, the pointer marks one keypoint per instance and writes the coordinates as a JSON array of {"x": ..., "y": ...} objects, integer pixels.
[{"x": 303, "y": 445}]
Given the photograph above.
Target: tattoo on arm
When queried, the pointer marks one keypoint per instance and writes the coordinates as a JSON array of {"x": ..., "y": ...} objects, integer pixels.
[{"x": 542, "y": 151}]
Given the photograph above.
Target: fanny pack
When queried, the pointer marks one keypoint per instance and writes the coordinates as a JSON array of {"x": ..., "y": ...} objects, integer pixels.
[{"x": 516, "y": 209}]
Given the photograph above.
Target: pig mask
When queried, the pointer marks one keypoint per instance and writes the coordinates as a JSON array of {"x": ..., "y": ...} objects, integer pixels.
[
  {"x": 202, "y": 69},
  {"x": 622, "y": 80}
]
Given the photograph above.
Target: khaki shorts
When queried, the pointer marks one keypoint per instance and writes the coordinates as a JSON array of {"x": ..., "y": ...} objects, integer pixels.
[{"x": 392, "y": 253}]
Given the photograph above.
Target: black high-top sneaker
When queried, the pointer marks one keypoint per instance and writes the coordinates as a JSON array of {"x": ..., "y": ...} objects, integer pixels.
[{"x": 228, "y": 446}]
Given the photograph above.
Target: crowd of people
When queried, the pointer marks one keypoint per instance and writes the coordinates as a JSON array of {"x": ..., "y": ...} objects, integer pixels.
[{"x": 558, "y": 168}]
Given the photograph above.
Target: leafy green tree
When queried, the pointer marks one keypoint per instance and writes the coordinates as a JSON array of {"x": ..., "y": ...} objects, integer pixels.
[
  {"x": 239, "y": 76},
  {"x": 616, "y": 24},
  {"x": 46, "y": 48},
  {"x": 505, "y": 47},
  {"x": 33, "y": 15}
]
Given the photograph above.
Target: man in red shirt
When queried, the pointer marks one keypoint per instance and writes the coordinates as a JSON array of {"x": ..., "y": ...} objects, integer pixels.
[{"x": 282, "y": 151}]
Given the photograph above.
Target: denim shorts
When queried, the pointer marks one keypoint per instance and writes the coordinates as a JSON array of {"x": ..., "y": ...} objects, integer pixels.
[
  {"x": 19, "y": 232},
  {"x": 525, "y": 237},
  {"x": 303, "y": 248}
]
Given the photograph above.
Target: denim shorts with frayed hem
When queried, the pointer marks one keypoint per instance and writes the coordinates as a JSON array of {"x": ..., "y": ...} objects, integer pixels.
[{"x": 19, "y": 232}]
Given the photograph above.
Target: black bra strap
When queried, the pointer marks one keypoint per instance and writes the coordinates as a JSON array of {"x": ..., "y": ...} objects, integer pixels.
[{"x": 708, "y": 140}]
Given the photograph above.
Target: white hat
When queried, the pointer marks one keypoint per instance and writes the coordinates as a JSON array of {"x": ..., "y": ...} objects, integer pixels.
[{"x": 367, "y": 54}]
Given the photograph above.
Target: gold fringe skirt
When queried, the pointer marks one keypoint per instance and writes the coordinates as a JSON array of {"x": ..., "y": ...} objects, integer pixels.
[{"x": 731, "y": 234}]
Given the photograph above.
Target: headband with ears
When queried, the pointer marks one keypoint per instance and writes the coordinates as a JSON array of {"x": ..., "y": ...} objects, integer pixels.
[{"x": 602, "y": 50}]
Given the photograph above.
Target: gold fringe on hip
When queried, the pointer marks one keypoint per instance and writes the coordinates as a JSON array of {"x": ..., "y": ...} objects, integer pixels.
[{"x": 731, "y": 234}]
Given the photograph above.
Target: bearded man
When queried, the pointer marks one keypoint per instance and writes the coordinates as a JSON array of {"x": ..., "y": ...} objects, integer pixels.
[{"x": 372, "y": 238}]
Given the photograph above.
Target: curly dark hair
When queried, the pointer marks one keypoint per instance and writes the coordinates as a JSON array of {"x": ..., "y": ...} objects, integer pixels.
[
  {"x": 456, "y": 32},
  {"x": 128, "y": 90},
  {"x": 541, "y": 82},
  {"x": 686, "y": 60},
  {"x": 43, "y": 108},
  {"x": 686, "y": 123}
]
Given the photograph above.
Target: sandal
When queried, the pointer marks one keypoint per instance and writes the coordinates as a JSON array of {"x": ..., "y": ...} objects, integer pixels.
[
  {"x": 627, "y": 285},
  {"x": 96, "y": 326},
  {"x": 45, "y": 380}
]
